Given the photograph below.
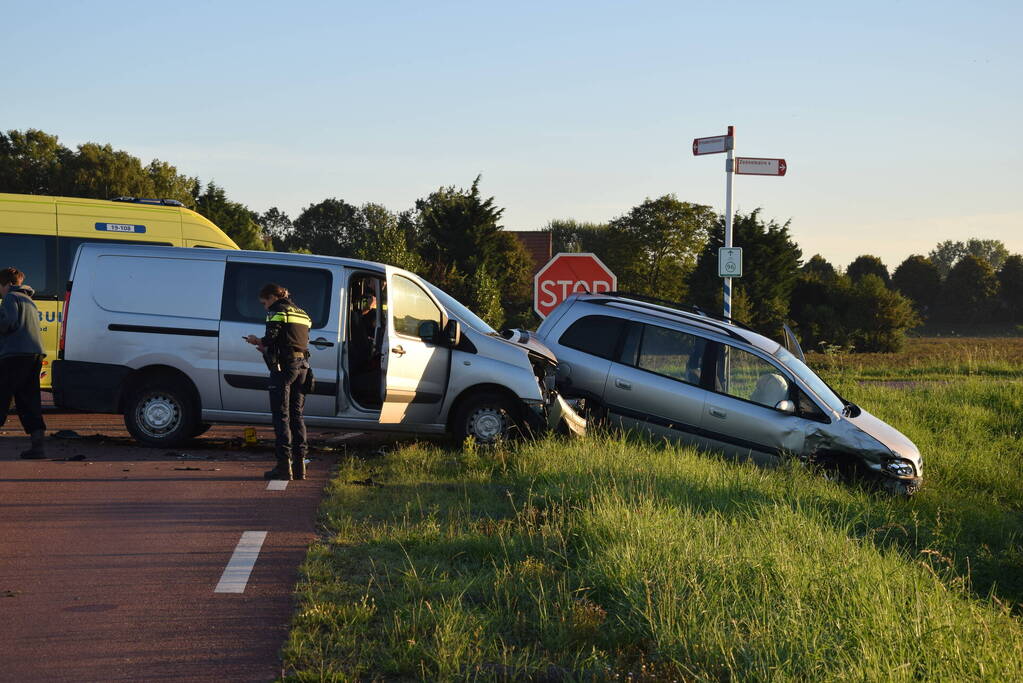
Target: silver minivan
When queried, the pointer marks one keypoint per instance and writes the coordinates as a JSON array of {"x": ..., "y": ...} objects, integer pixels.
[
  {"x": 157, "y": 333},
  {"x": 690, "y": 377}
]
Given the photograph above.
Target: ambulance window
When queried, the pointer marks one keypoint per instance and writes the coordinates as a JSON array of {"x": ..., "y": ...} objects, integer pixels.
[
  {"x": 310, "y": 290},
  {"x": 35, "y": 256}
]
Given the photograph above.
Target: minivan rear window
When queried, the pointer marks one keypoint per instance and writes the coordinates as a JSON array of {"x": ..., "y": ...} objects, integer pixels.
[
  {"x": 594, "y": 334},
  {"x": 310, "y": 290}
]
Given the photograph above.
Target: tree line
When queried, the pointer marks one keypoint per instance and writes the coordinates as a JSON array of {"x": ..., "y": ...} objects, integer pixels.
[{"x": 664, "y": 247}]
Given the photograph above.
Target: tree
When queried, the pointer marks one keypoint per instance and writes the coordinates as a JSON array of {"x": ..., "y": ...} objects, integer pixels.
[
  {"x": 993, "y": 252},
  {"x": 656, "y": 244},
  {"x": 233, "y": 218},
  {"x": 945, "y": 255},
  {"x": 819, "y": 266},
  {"x": 460, "y": 233},
  {"x": 30, "y": 162},
  {"x": 969, "y": 291},
  {"x": 276, "y": 228},
  {"x": 868, "y": 265},
  {"x": 1010, "y": 281},
  {"x": 332, "y": 227},
  {"x": 572, "y": 236},
  {"x": 877, "y": 318},
  {"x": 918, "y": 279},
  {"x": 485, "y": 298},
  {"x": 385, "y": 240},
  {"x": 771, "y": 265}
]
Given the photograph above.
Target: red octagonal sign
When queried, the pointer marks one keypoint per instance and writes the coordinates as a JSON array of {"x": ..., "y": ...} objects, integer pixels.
[{"x": 568, "y": 274}]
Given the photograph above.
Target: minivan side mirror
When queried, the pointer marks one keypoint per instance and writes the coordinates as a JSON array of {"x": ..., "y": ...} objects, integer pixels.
[
  {"x": 429, "y": 331},
  {"x": 786, "y": 406},
  {"x": 453, "y": 333}
]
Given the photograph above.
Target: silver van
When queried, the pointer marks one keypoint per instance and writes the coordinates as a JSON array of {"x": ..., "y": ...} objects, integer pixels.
[
  {"x": 157, "y": 333},
  {"x": 691, "y": 377}
]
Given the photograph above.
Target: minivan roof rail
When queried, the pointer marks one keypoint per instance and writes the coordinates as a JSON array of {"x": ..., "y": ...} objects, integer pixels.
[
  {"x": 683, "y": 308},
  {"x": 691, "y": 317},
  {"x": 145, "y": 200}
]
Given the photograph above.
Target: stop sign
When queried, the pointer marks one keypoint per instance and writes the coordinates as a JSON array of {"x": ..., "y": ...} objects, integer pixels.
[{"x": 568, "y": 274}]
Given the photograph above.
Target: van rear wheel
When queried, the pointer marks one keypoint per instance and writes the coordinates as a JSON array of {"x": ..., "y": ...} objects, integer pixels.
[{"x": 162, "y": 415}]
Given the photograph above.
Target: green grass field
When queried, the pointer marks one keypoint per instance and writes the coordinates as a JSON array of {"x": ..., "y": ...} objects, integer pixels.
[{"x": 611, "y": 559}]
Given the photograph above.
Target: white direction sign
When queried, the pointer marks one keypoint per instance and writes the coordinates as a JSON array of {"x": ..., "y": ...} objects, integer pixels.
[
  {"x": 730, "y": 261},
  {"x": 714, "y": 145},
  {"x": 758, "y": 166}
]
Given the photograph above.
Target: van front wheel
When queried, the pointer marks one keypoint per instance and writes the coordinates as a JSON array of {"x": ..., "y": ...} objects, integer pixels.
[
  {"x": 486, "y": 417},
  {"x": 162, "y": 415}
]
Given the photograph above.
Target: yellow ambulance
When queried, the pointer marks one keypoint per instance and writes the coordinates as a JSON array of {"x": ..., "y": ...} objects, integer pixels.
[{"x": 39, "y": 236}]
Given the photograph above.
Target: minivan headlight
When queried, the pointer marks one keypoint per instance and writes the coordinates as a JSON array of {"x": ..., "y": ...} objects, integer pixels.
[{"x": 900, "y": 468}]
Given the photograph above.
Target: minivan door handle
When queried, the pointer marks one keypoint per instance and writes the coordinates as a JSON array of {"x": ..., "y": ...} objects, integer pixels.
[
  {"x": 321, "y": 343},
  {"x": 398, "y": 351},
  {"x": 716, "y": 412},
  {"x": 622, "y": 384}
]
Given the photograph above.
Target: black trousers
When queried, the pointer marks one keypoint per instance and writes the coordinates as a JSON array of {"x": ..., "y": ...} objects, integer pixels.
[
  {"x": 287, "y": 399},
  {"x": 19, "y": 378}
]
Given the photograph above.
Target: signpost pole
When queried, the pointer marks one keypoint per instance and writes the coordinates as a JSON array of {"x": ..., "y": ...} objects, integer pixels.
[{"x": 729, "y": 162}]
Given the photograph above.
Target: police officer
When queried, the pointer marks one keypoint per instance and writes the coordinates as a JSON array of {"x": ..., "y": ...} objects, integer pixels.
[
  {"x": 285, "y": 348},
  {"x": 21, "y": 358}
]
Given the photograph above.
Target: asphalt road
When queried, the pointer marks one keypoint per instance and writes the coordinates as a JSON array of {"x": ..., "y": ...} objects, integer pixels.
[{"x": 111, "y": 555}]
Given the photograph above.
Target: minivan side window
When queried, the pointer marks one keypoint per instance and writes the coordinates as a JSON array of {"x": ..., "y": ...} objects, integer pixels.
[
  {"x": 36, "y": 256},
  {"x": 310, "y": 290},
  {"x": 411, "y": 306},
  {"x": 744, "y": 375},
  {"x": 671, "y": 353},
  {"x": 594, "y": 334}
]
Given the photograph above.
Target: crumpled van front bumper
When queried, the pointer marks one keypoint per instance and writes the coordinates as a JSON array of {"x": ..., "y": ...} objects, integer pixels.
[{"x": 556, "y": 416}]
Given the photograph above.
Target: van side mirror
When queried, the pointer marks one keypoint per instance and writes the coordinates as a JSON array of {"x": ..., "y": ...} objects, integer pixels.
[
  {"x": 429, "y": 331},
  {"x": 786, "y": 406},
  {"x": 453, "y": 333}
]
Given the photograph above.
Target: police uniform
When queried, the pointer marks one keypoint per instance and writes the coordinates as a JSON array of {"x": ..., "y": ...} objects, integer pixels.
[{"x": 286, "y": 351}]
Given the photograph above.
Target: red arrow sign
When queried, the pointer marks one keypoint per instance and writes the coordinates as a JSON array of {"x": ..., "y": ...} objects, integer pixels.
[{"x": 568, "y": 274}]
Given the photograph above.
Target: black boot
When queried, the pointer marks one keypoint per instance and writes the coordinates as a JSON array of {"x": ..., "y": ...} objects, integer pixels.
[
  {"x": 35, "y": 452},
  {"x": 282, "y": 471},
  {"x": 298, "y": 467}
]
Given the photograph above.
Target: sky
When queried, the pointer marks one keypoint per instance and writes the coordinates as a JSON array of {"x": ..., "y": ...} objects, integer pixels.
[{"x": 900, "y": 121}]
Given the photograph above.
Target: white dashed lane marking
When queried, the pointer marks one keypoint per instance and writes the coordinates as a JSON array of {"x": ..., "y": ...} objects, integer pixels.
[{"x": 236, "y": 573}]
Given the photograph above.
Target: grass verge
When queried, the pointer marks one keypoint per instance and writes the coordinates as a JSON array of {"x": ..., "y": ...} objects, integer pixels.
[{"x": 610, "y": 559}]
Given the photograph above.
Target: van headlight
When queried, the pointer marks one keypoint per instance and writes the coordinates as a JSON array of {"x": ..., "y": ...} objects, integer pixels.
[{"x": 900, "y": 468}]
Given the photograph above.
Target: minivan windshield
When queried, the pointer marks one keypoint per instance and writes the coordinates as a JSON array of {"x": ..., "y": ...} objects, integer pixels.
[
  {"x": 461, "y": 312},
  {"x": 811, "y": 379}
]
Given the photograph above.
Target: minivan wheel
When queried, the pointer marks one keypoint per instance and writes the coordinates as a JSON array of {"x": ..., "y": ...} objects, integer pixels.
[
  {"x": 162, "y": 415},
  {"x": 487, "y": 418}
]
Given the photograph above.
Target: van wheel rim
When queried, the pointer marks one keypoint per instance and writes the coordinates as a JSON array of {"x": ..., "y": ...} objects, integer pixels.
[
  {"x": 158, "y": 415},
  {"x": 487, "y": 424}
]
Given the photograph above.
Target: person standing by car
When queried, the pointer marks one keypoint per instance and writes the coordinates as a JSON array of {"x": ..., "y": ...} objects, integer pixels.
[
  {"x": 285, "y": 348},
  {"x": 21, "y": 358}
]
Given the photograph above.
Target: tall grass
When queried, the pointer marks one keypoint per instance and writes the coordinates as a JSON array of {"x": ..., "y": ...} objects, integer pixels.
[{"x": 611, "y": 559}]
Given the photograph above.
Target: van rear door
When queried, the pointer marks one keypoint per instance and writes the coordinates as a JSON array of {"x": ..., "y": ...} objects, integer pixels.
[
  {"x": 316, "y": 289},
  {"x": 417, "y": 369}
]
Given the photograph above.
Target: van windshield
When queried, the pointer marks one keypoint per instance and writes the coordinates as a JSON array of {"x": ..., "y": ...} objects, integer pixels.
[
  {"x": 456, "y": 309},
  {"x": 811, "y": 379}
]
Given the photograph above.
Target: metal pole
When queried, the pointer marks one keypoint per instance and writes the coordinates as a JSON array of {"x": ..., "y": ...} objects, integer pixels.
[{"x": 728, "y": 218}]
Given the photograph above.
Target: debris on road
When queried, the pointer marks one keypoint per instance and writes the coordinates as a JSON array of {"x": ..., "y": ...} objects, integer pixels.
[{"x": 66, "y": 434}]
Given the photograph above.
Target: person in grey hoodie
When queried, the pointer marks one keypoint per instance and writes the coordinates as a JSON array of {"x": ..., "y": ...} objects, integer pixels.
[{"x": 21, "y": 358}]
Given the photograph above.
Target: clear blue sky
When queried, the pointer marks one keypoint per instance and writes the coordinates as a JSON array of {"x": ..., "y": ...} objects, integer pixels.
[{"x": 901, "y": 121}]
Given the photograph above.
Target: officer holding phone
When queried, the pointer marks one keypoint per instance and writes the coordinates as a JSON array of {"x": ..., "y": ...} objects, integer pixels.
[{"x": 285, "y": 348}]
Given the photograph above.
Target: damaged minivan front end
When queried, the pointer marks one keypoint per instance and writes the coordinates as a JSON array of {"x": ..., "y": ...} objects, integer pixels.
[{"x": 552, "y": 412}]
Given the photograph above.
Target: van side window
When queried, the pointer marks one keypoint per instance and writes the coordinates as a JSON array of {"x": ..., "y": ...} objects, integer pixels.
[
  {"x": 751, "y": 378},
  {"x": 36, "y": 256},
  {"x": 68, "y": 247},
  {"x": 411, "y": 306},
  {"x": 672, "y": 353},
  {"x": 310, "y": 290},
  {"x": 594, "y": 334}
]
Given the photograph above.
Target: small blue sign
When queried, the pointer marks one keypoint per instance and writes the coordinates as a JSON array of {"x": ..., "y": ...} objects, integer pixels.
[{"x": 120, "y": 227}]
